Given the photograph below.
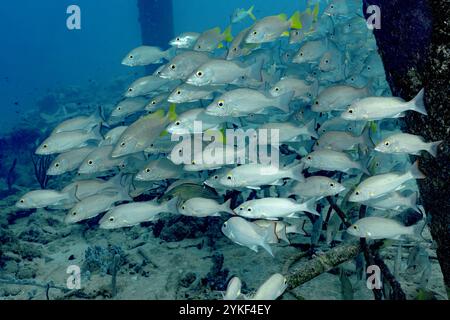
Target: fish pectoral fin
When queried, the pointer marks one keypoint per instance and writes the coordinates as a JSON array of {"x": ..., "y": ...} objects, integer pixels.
[{"x": 254, "y": 248}]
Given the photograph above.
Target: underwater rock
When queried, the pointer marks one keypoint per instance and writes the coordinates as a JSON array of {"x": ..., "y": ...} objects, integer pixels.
[
  {"x": 188, "y": 279},
  {"x": 178, "y": 228},
  {"x": 216, "y": 279},
  {"x": 100, "y": 259}
]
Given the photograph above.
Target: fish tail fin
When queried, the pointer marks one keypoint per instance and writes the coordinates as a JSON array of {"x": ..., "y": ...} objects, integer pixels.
[
  {"x": 311, "y": 129},
  {"x": 418, "y": 104},
  {"x": 315, "y": 88},
  {"x": 296, "y": 172},
  {"x": 250, "y": 13},
  {"x": 433, "y": 147},
  {"x": 283, "y": 234},
  {"x": 412, "y": 202},
  {"x": 415, "y": 172},
  {"x": 170, "y": 53},
  {"x": 255, "y": 70},
  {"x": 315, "y": 12},
  {"x": 284, "y": 100},
  {"x": 117, "y": 181},
  {"x": 417, "y": 229},
  {"x": 226, "y": 207},
  {"x": 228, "y": 37},
  {"x": 172, "y": 114},
  {"x": 269, "y": 234},
  {"x": 310, "y": 206},
  {"x": 172, "y": 206},
  {"x": 96, "y": 133},
  {"x": 295, "y": 21},
  {"x": 124, "y": 194},
  {"x": 365, "y": 137}
]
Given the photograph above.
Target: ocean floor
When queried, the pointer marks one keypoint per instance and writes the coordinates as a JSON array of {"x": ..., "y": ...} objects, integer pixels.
[{"x": 175, "y": 258}]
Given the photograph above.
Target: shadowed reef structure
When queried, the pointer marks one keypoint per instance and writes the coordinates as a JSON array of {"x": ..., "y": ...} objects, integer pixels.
[{"x": 414, "y": 44}]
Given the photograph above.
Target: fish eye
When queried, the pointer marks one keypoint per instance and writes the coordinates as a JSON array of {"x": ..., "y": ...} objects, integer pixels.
[
  {"x": 332, "y": 184},
  {"x": 327, "y": 61},
  {"x": 45, "y": 146},
  {"x": 225, "y": 224},
  {"x": 173, "y": 67},
  {"x": 56, "y": 165},
  {"x": 178, "y": 39},
  {"x": 255, "y": 33},
  {"x": 130, "y": 89},
  {"x": 296, "y": 33},
  {"x": 317, "y": 102},
  {"x": 22, "y": 201},
  {"x": 301, "y": 54},
  {"x": 131, "y": 57},
  {"x": 368, "y": 68},
  {"x": 350, "y": 129},
  {"x": 350, "y": 111},
  {"x": 332, "y": 7},
  {"x": 90, "y": 162},
  {"x": 180, "y": 151},
  {"x": 179, "y": 92},
  {"x": 309, "y": 158},
  {"x": 229, "y": 177},
  {"x": 387, "y": 143},
  {"x": 119, "y": 108},
  {"x": 234, "y": 49},
  {"x": 122, "y": 144},
  {"x": 177, "y": 123},
  {"x": 277, "y": 89},
  {"x": 199, "y": 74},
  {"x": 193, "y": 162},
  {"x": 355, "y": 227},
  {"x": 241, "y": 208},
  {"x": 183, "y": 207},
  {"x": 122, "y": 165},
  {"x": 221, "y": 103},
  {"x": 357, "y": 193},
  {"x": 377, "y": 164},
  {"x": 147, "y": 170},
  {"x": 74, "y": 213},
  {"x": 153, "y": 102},
  {"x": 216, "y": 177},
  {"x": 111, "y": 219},
  {"x": 249, "y": 209}
]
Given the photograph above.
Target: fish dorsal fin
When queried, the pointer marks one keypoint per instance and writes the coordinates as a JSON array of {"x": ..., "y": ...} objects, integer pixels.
[
  {"x": 172, "y": 114},
  {"x": 295, "y": 21},
  {"x": 282, "y": 17},
  {"x": 315, "y": 12},
  {"x": 228, "y": 37},
  {"x": 216, "y": 30}
]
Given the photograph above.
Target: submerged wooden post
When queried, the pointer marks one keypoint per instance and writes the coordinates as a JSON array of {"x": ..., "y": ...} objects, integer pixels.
[
  {"x": 156, "y": 20},
  {"x": 414, "y": 43}
]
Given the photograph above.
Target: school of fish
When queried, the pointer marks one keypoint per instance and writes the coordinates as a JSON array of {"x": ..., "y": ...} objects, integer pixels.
[{"x": 315, "y": 78}]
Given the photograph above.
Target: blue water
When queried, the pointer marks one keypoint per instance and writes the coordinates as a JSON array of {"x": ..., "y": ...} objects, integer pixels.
[{"x": 39, "y": 53}]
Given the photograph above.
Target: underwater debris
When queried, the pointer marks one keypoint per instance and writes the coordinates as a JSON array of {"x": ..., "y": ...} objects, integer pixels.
[
  {"x": 102, "y": 259},
  {"x": 41, "y": 165},
  {"x": 216, "y": 279},
  {"x": 12, "y": 175}
]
